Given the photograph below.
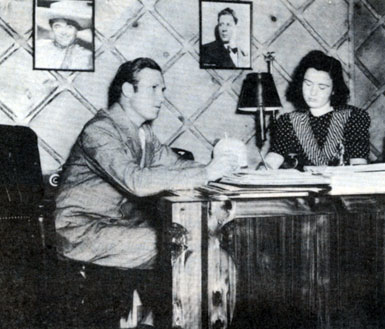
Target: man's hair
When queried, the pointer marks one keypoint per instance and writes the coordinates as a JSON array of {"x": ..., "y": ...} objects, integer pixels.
[
  {"x": 68, "y": 21},
  {"x": 320, "y": 61},
  {"x": 128, "y": 72},
  {"x": 228, "y": 11}
]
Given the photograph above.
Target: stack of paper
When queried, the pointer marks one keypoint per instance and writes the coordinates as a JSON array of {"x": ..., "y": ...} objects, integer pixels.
[
  {"x": 376, "y": 167},
  {"x": 280, "y": 177},
  {"x": 349, "y": 180},
  {"x": 268, "y": 184}
]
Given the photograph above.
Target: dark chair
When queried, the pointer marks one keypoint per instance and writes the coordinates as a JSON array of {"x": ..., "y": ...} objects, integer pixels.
[{"x": 21, "y": 235}]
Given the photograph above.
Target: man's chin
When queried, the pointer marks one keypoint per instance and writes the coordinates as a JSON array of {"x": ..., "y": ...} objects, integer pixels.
[
  {"x": 154, "y": 116},
  {"x": 64, "y": 44}
]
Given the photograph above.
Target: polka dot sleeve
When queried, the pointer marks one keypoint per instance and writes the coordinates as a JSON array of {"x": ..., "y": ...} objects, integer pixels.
[
  {"x": 282, "y": 136},
  {"x": 357, "y": 135}
]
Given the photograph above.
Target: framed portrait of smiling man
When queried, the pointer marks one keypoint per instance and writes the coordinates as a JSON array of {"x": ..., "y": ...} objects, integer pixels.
[
  {"x": 64, "y": 35},
  {"x": 225, "y": 34}
]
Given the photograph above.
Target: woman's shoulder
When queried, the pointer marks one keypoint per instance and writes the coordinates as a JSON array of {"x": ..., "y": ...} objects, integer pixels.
[
  {"x": 355, "y": 113},
  {"x": 283, "y": 119},
  {"x": 288, "y": 115},
  {"x": 356, "y": 117},
  {"x": 350, "y": 109}
]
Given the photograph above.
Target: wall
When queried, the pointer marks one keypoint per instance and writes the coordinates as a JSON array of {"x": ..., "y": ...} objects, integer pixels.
[
  {"x": 201, "y": 104},
  {"x": 369, "y": 73}
]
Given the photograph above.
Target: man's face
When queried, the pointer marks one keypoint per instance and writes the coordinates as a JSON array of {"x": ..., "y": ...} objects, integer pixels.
[
  {"x": 226, "y": 28},
  {"x": 317, "y": 88},
  {"x": 64, "y": 34},
  {"x": 148, "y": 98}
]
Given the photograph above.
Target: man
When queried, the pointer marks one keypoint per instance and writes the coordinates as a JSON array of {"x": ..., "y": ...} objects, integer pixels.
[
  {"x": 224, "y": 51},
  {"x": 64, "y": 19},
  {"x": 104, "y": 213}
]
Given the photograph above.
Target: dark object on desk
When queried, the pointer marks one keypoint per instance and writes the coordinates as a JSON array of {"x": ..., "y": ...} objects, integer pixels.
[
  {"x": 291, "y": 162},
  {"x": 185, "y": 155},
  {"x": 21, "y": 245}
]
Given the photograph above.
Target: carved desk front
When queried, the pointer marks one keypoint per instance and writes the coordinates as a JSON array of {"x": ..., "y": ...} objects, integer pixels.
[{"x": 272, "y": 263}]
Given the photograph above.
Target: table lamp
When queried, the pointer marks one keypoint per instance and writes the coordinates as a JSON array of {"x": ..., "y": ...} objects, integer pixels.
[{"x": 259, "y": 94}]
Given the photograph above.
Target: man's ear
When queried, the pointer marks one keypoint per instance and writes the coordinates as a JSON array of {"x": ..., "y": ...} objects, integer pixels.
[{"x": 127, "y": 89}]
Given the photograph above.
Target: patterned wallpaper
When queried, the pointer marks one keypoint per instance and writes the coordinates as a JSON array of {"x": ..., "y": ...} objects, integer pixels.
[
  {"x": 200, "y": 104},
  {"x": 369, "y": 73}
]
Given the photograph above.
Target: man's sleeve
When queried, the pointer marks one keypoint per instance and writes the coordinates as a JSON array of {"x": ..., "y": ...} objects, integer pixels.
[
  {"x": 165, "y": 156},
  {"x": 114, "y": 161}
]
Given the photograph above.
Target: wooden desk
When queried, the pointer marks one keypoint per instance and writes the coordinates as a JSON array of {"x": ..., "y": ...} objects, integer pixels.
[{"x": 248, "y": 260}]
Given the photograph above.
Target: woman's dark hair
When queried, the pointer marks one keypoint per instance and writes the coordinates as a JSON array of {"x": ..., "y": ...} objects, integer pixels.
[
  {"x": 320, "y": 61},
  {"x": 128, "y": 72}
]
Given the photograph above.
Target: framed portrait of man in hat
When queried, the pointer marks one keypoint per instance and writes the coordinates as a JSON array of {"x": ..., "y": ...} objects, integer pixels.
[{"x": 64, "y": 35}]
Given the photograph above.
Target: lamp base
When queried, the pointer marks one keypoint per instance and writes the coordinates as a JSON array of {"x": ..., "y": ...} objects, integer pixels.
[{"x": 261, "y": 128}]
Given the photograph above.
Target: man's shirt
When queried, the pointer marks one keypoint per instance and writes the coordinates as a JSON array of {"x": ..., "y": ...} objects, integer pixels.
[
  {"x": 104, "y": 188},
  {"x": 49, "y": 56},
  {"x": 216, "y": 55}
]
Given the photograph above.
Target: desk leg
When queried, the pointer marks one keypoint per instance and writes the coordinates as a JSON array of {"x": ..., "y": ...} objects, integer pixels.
[
  {"x": 186, "y": 261},
  {"x": 221, "y": 271}
]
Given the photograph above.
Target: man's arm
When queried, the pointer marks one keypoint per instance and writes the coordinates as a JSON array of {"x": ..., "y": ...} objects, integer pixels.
[
  {"x": 115, "y": 161},
  {"x": 165, "y": 156}
]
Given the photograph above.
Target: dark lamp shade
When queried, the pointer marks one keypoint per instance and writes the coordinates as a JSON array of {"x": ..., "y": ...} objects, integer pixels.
[{"x": 258, "y": 91}]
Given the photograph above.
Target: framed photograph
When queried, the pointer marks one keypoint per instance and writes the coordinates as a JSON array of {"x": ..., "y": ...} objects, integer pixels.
[
  {"x": 64, "y": 35},
  {"x": 225, "y": 34}
]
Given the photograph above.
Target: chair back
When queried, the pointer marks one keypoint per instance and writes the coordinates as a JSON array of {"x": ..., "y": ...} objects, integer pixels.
[
  {"x": 21, "y": 247},
  {"x": 21, "y": 182}
]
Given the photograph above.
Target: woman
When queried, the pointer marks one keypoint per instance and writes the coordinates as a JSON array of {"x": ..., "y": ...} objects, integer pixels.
[{"x": 324, "y": 130}]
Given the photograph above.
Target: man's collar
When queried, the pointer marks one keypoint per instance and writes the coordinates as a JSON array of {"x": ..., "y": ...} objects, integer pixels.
[
  {"x": 119, "y": 116},
  {"x": 233, "y": 50},
  {"x": 56, "y": 44},
  {"x": 122, "y": 117}
]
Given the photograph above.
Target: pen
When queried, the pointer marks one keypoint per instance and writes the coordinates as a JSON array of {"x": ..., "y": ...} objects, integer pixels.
[{"x": 263, "y": 159}]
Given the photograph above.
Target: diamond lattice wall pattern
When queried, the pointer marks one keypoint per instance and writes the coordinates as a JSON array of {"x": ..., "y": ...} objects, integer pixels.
[{"x": 200, "y": 104}]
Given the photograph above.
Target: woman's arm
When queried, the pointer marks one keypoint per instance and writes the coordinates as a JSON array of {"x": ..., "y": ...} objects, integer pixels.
[
  {"x": 357, "y": 161},
  {"x": 357, "y": 137},
  {"x": 280, "y": 145},
  {"x": 271, "y": 161}
]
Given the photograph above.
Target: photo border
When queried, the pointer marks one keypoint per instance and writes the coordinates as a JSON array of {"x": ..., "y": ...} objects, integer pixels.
[
  {"x": 59, "y": 69},
  {"x": 205, "y": 66}
]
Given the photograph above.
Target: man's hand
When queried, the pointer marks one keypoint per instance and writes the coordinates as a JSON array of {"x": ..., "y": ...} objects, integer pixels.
[{"x": 224, "y": 164}]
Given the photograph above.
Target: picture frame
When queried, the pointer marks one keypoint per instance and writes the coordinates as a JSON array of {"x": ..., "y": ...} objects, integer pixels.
[
  {"x": 225, "y": 34},
  {"x": 64, "y": 35}
]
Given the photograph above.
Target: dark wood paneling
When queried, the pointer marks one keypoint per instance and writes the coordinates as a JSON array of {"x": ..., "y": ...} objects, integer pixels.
[{"x": 310, "y": 271}]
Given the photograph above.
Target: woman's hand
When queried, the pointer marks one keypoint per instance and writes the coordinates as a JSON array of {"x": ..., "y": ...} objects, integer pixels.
[
  {"x": 272, "y": 161},
  {"x": 358, "y": 161}
]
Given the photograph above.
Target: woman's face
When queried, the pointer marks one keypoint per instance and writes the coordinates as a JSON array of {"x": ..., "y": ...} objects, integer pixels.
[{"x": 317, "y": 88}]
